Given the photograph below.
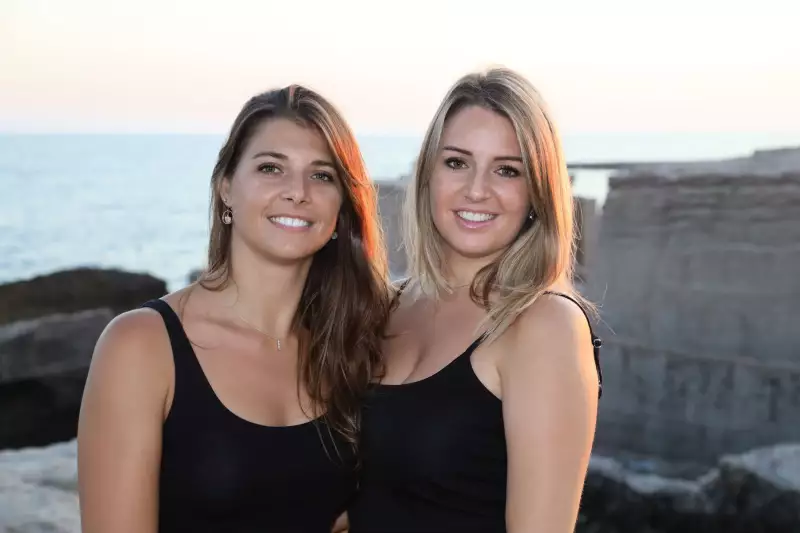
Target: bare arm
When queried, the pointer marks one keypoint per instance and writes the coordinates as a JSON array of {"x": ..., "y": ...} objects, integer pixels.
[
  {"x": 549, "y": 388},
  {"x": 119, "y": 432}
]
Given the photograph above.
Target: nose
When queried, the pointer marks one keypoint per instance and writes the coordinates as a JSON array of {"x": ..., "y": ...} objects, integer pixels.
[
  {"x": 296, "y": 189},
  {"x": 477, "y": 188}
]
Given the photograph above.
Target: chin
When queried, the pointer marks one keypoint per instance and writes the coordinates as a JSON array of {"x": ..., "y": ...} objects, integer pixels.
[
  {"x": 290, "y": 255},
  {"x": 474, "y": 250}
]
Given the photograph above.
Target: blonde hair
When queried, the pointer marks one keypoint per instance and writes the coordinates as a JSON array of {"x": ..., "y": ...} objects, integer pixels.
[{"x": 543, "y": 253}]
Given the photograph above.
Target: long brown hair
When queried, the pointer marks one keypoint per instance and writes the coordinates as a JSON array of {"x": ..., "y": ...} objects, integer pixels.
[
  {"x": 543, "y": 253},
  {"x": 344, "y": 303}
]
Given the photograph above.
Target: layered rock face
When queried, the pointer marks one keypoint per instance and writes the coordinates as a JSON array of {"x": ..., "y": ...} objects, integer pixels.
[
  {"x": 390, "y": 203},
  {"x": 698, "y": 276}
]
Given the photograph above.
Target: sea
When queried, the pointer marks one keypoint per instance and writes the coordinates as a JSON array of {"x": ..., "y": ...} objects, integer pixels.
[{"x": 140, "y": 202}]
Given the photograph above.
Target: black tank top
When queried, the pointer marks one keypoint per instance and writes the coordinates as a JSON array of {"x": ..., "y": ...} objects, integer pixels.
[
  {"x": 221, "y": 473},
  {"x": 434, "y": 455}
]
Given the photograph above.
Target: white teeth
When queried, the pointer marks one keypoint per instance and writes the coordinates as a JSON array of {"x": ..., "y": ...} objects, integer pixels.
[
  {"x": 475, "y": 217},
  {"x": 293, "y": 222}
]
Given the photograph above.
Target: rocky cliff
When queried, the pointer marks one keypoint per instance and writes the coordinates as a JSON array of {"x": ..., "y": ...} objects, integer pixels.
[{"x": 697, "y": 276}]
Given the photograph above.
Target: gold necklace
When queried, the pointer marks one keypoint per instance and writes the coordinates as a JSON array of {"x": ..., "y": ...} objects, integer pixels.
[{"x": 243, "y": 319}]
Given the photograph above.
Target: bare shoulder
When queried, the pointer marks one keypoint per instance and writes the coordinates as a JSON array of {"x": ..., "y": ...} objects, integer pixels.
[
  {"x": 134, "y": 345},
  {"x": 133, "y": 330},
  {"x": 551, "y": 319},
  {"x": 552, "y": 332},
  {"x": 140, "y": 333}
]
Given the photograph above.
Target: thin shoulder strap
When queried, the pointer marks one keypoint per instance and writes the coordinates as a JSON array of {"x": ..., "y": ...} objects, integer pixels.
[
  {"x": 596, "y": 341},
  {"x": 187, "y": 367},
  {"x": 177, "y": 335}
]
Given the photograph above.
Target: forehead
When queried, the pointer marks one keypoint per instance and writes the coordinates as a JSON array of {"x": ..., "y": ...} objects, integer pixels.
[
  {"x": 478, "y": 129},
  {"x": 288, "y": 137}
]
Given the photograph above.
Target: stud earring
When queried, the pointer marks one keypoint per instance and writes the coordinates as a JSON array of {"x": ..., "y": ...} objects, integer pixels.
[
  {"x": 531, "y": 215},
  {"x": 334, "y": 236},
  {"x": 227, "y": 216}
]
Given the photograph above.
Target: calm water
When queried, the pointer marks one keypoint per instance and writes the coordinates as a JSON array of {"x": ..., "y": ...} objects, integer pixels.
[{"x": 140, "y": 202}]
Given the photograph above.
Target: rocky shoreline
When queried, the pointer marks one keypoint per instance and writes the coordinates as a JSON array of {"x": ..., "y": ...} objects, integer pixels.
[{"x": 756, "y": 492}]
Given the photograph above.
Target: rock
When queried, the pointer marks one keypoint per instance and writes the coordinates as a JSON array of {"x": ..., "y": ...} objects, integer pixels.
[
  {"x": 586, "y": 227},
  {"x": 760, "y": 487},
  {"x": 390, "y": 204},
  {"x": 628, "y": 501},
  {"x": 194, "y": 275},
  {"x": 696, "y": 278},
  {"x": 43, "y": 367},
  {"x": 69, "y": 291},
  {"x": 50, "y": 345},
  {"x": 38, "y": 490},
  {"x": 761, "y": 162},
  {"x": 757, "y": 492}
]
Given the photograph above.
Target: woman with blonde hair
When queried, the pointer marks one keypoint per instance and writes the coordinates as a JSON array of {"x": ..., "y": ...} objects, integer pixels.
[
  {"x": 233, "y": 405},
  {"x": 485, "y": 414}
]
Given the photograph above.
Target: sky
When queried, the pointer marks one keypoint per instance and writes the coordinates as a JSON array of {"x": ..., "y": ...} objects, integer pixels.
[{"x": 603, "y": 66}]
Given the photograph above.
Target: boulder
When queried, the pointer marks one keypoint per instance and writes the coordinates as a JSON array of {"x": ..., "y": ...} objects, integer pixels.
[
  {"x": 74, "y": 290},
  {"x": 755, "y": 492},
  {"x": 194, "y": 275},
  {"x": 43, "y": 368}
]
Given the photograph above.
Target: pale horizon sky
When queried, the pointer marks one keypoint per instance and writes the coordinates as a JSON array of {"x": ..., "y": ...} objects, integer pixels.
[{"x": 603, "y": 66}]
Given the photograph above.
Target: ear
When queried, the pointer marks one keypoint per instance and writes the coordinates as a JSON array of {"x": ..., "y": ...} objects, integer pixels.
[{"x": 224, "y": 190}]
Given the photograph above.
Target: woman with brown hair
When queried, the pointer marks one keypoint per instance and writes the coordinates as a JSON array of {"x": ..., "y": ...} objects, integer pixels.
[
  {"x": 484, "y": 418},
  {"x": 233, "y": 404}
]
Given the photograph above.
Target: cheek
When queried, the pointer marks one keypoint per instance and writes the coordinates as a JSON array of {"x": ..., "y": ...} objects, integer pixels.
[
  {"x": 513, "y": 195},
  {"x": 249, "y": 189},
  {"x": 330, "y": 203},
  {"x": 441, "y": 192}
]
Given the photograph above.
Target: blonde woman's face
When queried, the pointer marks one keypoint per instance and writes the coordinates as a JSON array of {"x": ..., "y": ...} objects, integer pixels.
[{"x": 478, "y": 188}]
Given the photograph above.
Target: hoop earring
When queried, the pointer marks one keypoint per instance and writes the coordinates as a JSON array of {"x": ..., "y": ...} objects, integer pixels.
[{"x": 227, "y": 216}]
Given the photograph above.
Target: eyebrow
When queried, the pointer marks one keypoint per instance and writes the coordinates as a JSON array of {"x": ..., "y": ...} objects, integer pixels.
[
  {"x": 467, "y": 152},
  {"x": 284, "y": 157}
]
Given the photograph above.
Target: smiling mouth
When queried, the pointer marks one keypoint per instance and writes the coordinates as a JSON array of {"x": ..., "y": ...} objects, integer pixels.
[
  {"x": 290, "y": 222},
  {"x": 472, "y": 216}
]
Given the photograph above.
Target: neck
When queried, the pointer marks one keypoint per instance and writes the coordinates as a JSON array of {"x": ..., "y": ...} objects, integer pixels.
[
  {"x": 460, "y": 271},
  {"x": 265, "y": 295}
]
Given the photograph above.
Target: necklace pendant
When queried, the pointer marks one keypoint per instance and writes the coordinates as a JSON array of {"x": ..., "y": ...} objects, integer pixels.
[{"x": 279, "y": 344}]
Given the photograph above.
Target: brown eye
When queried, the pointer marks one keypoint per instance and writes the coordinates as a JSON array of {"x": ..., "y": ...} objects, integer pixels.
[
  {"x": 455, "y": 163},
  {"x": 322, "y": 176},
  {"x": 508, "y": 172},
  {"x": 268, "y": 168}
]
